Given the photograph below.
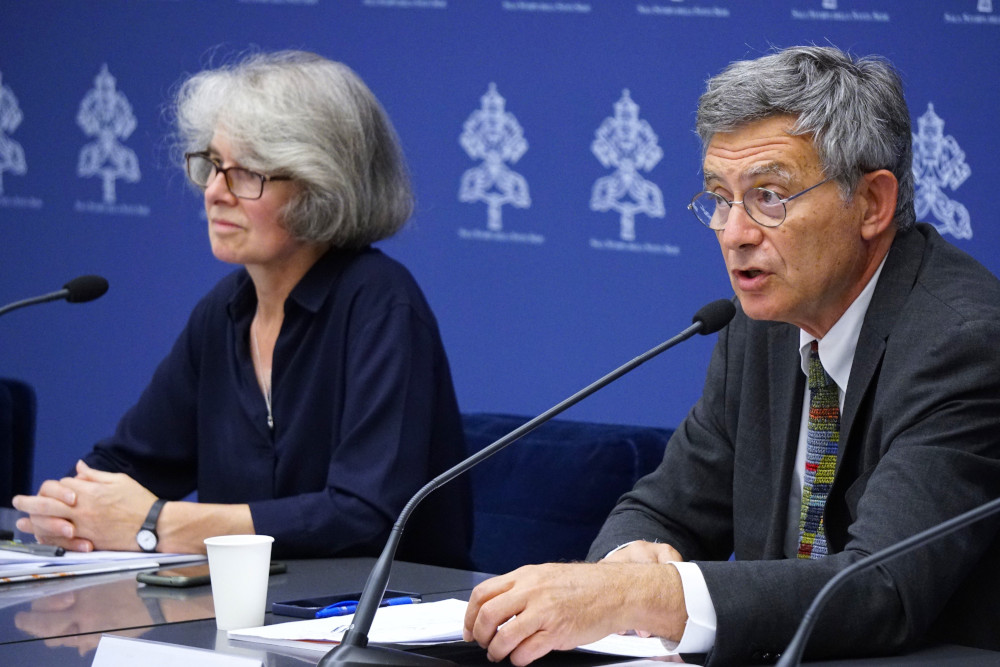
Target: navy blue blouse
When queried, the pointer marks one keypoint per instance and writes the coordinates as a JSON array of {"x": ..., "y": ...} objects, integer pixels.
[{"x": 364, "y": 414}]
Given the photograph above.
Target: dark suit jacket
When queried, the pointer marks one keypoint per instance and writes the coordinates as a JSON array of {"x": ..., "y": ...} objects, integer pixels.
[{"x": 920, "y": 443}]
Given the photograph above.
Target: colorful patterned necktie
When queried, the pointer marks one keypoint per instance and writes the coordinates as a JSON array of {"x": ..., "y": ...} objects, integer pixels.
[{"x": 822, "y": 443}]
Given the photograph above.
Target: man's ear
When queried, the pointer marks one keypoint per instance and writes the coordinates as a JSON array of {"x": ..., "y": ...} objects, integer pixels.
[{"x": 879, "y": 190}]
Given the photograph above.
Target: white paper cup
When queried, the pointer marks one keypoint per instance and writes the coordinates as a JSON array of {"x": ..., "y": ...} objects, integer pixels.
[{"x": 238, "y": 565}]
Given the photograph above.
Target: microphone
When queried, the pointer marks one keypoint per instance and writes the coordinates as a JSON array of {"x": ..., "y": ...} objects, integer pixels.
[
  {"x": 353, "y": 648},
  {"x": 85, "y": 288},
  {"x": 793, "y": 652},
  {"x": 78, "y": 290}
]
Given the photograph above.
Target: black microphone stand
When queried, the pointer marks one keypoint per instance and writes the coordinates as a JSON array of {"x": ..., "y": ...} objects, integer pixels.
[
  {"x": 354, "y": 648},
  {"x": 51, "y": 296},
  {"x": 78, "y": 290},
  {"x": 793, "y": 652}
]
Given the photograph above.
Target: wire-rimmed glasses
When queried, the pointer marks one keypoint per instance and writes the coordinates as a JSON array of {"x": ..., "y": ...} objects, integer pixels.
[
  {"x": 765, "y": 207},
  {"x": 243, "y": 183}
]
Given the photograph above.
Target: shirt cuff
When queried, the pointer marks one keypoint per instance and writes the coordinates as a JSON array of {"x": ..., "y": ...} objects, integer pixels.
[{"x": 699, "y": 632}]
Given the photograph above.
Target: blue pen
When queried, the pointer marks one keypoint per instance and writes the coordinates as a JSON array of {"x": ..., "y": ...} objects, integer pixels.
[{"x": 345, "y": 607}]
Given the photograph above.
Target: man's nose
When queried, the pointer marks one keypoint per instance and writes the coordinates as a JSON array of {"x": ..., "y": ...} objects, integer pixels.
[{"x": 740, "y": 229}]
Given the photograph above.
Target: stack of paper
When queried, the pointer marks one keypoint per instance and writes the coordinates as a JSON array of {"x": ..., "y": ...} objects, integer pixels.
[
  {"x": 16, "y": 566},
  {"x": 414, "y": 625},
  {"x": 424, "y": 623}
]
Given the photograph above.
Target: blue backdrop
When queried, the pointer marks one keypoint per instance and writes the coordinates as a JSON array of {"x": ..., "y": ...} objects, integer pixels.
[{"x": 542, "y": 281}]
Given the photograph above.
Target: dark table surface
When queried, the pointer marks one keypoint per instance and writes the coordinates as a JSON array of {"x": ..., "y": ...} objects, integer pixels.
[{"x": 60, "y": 622}]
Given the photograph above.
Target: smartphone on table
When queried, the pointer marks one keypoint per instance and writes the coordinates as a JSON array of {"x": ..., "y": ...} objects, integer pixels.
[{"x": 189, "y": 575}]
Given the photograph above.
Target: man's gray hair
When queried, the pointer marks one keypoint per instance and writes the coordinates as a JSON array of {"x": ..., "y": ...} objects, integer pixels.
[
  {"x": 853, "y": 108},
  {"x": 298, "y": 114}
]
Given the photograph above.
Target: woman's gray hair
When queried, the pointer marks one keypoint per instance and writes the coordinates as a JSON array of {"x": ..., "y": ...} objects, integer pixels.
[
  {"x": 853, "y": 108},
  {"x": 299, "y": 114}
]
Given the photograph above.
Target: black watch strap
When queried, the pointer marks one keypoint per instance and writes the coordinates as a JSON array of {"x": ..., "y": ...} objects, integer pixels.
[{"x": 154, "y": 514}]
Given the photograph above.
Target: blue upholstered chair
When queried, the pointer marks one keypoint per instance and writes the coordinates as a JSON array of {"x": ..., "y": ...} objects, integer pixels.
[
  {"x": 544, "y": 497},
  {"x": 17, "y": 438}
]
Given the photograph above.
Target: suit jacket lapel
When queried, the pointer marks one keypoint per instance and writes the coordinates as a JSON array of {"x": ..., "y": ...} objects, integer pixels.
[
  {"x": 895, "y": 283},
  {"x": 787, "y": 382}
]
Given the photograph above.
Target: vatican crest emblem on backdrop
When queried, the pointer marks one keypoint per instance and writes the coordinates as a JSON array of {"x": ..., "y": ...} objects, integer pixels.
[
  {"x": 11, "y": 152},
  {"x": 628, "y": 145},
  {"x": 939, "y": 164},
  {"x": 493, "y": 135},
  {"x": 106, "y": 115}
]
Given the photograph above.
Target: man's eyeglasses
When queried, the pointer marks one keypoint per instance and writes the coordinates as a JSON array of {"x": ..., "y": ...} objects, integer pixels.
[
  {"x": 765, "y": 207},
  {"x": 243, "y": 183}
]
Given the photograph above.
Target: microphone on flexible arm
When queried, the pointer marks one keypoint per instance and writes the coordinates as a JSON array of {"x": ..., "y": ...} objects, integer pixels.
[
  {"x": 78, "y": 290},
  {"x": 792, "y": 654},
  {"x": 353, "y": 648}
]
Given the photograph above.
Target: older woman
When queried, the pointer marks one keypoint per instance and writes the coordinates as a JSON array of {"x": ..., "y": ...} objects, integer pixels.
[{"x": 309, "y": 395}]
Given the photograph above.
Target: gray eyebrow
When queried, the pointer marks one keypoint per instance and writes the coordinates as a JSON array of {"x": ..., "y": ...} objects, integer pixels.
[{"x": 768, "y": 168}]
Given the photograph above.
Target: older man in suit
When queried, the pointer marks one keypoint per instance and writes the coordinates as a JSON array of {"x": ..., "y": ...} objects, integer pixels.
[{"x": 853, "y": 401}]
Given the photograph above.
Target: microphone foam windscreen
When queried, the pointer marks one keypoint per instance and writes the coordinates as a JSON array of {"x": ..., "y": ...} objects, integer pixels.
[
  {"x": 715, "y": 315},
  {"x": 85, "y": 288}
]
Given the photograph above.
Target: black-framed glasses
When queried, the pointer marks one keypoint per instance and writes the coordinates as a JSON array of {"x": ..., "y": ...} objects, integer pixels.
[
  {"x": 765, "y": 207},
  {"x": 243, "y": 183}
]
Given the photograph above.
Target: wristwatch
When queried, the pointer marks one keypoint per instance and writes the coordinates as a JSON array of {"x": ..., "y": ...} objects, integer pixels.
[{"x": 147, "y": 538}]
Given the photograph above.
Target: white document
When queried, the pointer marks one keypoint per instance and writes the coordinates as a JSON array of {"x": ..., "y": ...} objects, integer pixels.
[
  {"x": 16, "y": 566},
  {"x": 628, "y": 645},
  {"x": 414, "y": 624},
  {"x": 115, "y": 651},
  {"x": 421, "y": 623}
]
